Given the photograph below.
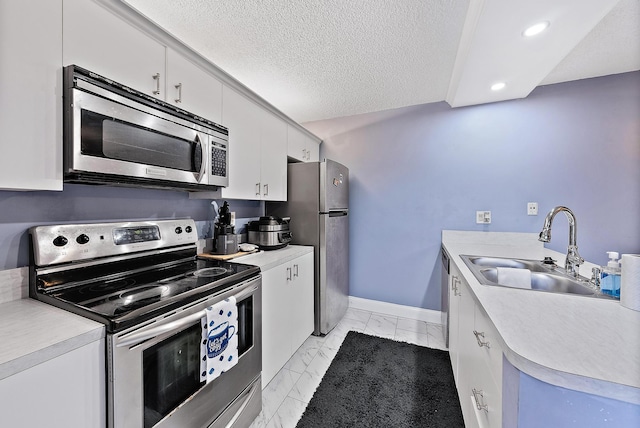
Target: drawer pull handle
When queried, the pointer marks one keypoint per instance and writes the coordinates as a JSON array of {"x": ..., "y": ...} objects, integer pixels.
[
  {"x": 481, "y": 343},
  {"x": 479, "y": 404},
  {"x": 454, "y": 285}
]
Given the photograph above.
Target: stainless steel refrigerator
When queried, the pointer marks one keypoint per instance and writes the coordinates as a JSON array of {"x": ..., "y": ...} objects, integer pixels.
[{"x": 318, "y": 204}]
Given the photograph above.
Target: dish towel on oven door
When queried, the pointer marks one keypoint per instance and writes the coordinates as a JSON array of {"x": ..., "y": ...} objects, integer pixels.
[{"x": 219, "y": 351}]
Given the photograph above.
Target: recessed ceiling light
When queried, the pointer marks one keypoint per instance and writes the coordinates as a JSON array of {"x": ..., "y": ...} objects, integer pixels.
[
  {"x": 536, "y": 29},
  {"x": 498, "y": 86}
]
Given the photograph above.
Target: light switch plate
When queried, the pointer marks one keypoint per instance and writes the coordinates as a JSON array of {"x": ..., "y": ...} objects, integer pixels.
[
  {"x": 483, "y": 217},
  {"x": 532, "y": 208}
]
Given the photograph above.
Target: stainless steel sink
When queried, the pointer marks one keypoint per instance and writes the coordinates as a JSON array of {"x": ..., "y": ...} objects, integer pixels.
[
  {"x": 495, "y": 262},
  {"x": 544, "y": 277}
]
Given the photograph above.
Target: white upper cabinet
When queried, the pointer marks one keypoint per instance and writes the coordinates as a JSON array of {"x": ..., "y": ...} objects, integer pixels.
[
  {"x": 96, "y": 39},
  {"x": 273, "y": 148},
  {"x": 240, "y": 115},
  {"x": 300, "y": 146},
  {"x": 257, "y": 150},
  {"x": 193, "y": 89},
  {"x": 31, "y": 100}
]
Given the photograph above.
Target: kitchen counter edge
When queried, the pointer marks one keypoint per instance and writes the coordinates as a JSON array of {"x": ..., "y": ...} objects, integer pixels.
[
  {"x": 269, "y": 259},
  {"x": 34, "y": 332}
]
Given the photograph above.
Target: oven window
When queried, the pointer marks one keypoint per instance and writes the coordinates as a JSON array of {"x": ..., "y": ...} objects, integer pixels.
[
  {"x": 171, "y": 373},
  {"x": 106, "y": 137}
]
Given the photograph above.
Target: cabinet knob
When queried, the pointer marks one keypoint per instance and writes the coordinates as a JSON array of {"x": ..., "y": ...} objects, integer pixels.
[
  {"x": 295, "y": 270},
  {"x": 288, "y": 274}
]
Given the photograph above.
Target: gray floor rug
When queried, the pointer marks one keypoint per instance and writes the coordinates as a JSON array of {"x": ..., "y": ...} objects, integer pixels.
[{"x": 374, "y": 382}]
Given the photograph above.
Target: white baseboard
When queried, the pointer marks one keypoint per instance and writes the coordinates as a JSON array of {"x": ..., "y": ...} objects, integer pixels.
[{"x": 410, "y": 312}]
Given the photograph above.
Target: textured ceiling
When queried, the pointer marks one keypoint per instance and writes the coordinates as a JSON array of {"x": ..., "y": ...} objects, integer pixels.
[{"x": 318, "y": 59}]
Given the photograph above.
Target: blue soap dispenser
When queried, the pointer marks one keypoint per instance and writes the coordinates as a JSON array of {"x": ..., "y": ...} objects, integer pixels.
[{"x": 610, "y": 280}]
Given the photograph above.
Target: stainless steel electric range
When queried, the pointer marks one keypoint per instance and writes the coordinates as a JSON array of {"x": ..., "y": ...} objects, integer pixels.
[{"x": 143, "y": 280}]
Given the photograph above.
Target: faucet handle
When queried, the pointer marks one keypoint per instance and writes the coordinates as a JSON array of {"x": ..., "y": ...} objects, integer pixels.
[{"x": 548, "y": 261}]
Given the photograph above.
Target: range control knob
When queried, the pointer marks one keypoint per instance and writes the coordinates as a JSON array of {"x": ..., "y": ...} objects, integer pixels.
[
  {"x": 188, "y": 229},
  {"x": 178, "y": 230},
  {"x": 82, "y": 239},
  {"x": 60, "y": 241}
]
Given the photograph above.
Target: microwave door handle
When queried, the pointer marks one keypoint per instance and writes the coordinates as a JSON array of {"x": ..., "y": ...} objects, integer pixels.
[{"x": 198, "y": 157}]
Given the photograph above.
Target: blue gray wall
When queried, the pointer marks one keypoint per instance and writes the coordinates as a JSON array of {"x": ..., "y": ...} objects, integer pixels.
[
  {"x": 89, "y": 204},
  {"x": 415, "y": 171}
]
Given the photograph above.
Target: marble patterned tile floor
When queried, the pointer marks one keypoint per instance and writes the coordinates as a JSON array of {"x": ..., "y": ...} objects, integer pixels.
[{"x": 287, "y": 395}]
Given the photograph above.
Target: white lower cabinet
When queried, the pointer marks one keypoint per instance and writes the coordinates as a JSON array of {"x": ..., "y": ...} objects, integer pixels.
[
  {"x": 287, "y": 312},
  {"x": 63, "y": 392},
  {"x": 478, "y": 358}
]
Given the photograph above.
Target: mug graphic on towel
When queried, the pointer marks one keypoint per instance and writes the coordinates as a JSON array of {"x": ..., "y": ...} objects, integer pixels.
[{"x": 218, "y": 339}]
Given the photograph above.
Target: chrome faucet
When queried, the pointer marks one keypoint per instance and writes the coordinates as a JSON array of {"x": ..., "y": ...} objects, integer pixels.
[{"x": 573, "y": 260}]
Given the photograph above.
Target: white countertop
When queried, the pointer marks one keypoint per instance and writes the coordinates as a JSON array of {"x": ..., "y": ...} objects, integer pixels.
[
  {"x": 576, "y": 342},
  {"x": 33, "y": 332},
  {"x": 270, "y": 259}
]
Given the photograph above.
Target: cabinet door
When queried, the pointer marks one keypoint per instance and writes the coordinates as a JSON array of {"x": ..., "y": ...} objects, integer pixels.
[
  {"x": 273, "y": 167},
  {"x": 313, "y": 150},
  {"x": 469, "y": 364},
  {"x": 276, "y": 341},
  {"x": 70, "y": 391},
  {"x": 300, "y": 146},
  {"x": 454, "y": 316},
  {"x": 31, "y": 101},
  {"x": 240, "y": 115},
  {"x": 193, "y": 89},
  {"x": 302, "y": 295},
  {"x": 296, "y": 145},
  {"x": 96, "y": 39}
]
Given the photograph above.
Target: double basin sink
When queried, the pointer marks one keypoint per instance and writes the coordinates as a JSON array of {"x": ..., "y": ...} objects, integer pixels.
[{"x": 544, "y": 277}]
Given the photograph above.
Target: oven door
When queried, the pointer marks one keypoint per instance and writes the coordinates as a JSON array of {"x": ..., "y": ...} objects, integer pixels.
[
  {"x": 112, "y": 135},
  {"x": 154, "y": 370}
]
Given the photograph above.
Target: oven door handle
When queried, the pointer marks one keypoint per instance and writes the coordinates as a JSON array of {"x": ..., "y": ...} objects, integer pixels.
[{"x": 149, "y": 333}]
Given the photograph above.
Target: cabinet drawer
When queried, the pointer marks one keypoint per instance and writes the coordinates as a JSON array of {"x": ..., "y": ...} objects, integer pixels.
[
  {"x": 486, "y": 399},
  {"x": 488, "y": 344}
]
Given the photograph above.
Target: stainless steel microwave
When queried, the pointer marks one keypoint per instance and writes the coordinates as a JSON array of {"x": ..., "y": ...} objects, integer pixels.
[{"x": 116, "y": 135}]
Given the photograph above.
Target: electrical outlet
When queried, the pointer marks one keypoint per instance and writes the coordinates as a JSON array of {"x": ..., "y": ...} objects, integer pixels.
[
  {"x": 483, "y": 217},
  {"x": 233, "y": 218},
  {"x": 532, "y": 208}
]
